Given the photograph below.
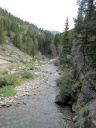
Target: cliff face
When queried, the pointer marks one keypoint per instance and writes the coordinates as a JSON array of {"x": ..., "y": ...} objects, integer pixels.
[{"x": 84, "y": 96}]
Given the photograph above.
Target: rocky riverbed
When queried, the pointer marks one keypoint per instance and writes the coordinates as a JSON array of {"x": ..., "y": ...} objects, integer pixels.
[{"x": 33, "y": 106}]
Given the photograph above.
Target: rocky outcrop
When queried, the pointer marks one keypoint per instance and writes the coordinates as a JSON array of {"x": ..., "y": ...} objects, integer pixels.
[
  {"x": 82, "y": 98},
  {"x": 87, "y": 93}
]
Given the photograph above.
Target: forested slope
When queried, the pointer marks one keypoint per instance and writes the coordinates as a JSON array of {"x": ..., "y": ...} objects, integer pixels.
[{"x": 27, "y": 37}]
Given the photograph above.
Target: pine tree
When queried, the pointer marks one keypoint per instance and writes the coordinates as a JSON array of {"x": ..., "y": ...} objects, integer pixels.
[
  {"x": 1, "y": 32},
  {"x": 17, "y": 41},
  {"x": 66, "y": 39},
  {"x": 36, "y": 45},
  {"x": 85, "y": 26}
]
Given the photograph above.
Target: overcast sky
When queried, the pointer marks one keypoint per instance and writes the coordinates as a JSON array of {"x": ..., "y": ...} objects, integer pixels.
[{"x": 45, "y": 14}]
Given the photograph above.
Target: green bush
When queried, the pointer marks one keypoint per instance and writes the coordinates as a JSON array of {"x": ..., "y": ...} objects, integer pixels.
[
  {"x": 4, "y": 72},
  {"x": 43, "y": 57},
  {"x": 77, "y": 84},
  {"x": 84, "y": 108},
  {"x": 30, "y": 65},
  {"x": 10, "y": 67},
  {"x": 7, "y": 80},
  {"x": 26, "y": 74},
  {"x": 7, "y": 91},
  {"x": 65, "y": 82}
]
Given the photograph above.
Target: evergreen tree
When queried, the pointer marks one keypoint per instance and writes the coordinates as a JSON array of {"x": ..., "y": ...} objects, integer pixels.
[
  {"x": 87, "y": 30},
  {"x": 66, "y": 39},
  {"x": 35, "y": 45},
  {"x": 1, "y": 32},
  {"x": 17, "y": 41}
]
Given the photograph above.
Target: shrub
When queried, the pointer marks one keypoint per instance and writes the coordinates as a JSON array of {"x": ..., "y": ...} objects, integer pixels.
[
  {"x": 4, "y": 72},
  {"x": 10, "y": 68},
  {"x": 7, "y": 80},
  {"x": 65, "y": 82},
  {"x": 7, "y": 91},
  {"x": 30, "y": 65},
  {"x": 43, "y": 57},
  {"x": 26, "y": 74},
  {"x": 84, "y": 108},
  {"x": 77, "y": 84},
  {"x": 74, "y": 72}
]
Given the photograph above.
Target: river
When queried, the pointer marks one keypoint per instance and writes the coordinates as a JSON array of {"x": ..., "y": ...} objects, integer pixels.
[{"x": 38, "y": 110}]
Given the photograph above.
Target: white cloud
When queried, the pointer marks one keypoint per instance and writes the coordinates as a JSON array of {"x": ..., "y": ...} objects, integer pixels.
[{"x": 46, "y": 14}]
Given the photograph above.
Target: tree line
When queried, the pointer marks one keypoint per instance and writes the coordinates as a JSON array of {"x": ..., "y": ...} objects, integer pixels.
[
  {"x": 84, "y": 33},
  {"x": 85, "y": 29},
  {"x": 24, "y": 35}
]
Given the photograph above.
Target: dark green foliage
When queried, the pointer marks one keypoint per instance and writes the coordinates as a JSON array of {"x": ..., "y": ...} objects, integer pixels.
[
  {"x": 63, "y": 42},
  {"x": 85, "y": 108},
  {"x": 45, "y": 41},
  {"x": 26, "y": 74},
  {"x": 6, "y": 80},
  {"x": 65, "y": 82},
  {"x": 66, "y": 39},
  {"x": 16, "y": 40},
  {"x": 1, "y": 32},
  {"x": 85, "y": 28}
]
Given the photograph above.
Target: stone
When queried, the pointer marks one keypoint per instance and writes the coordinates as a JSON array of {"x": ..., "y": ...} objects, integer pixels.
[
  {"x": 74, "y": 107},
  {"x": 0, "y": 106},
  {"x": 80, "y": 123},
  {"x": 92, "y": 113},
  {"x": 59, "y": 73},
  {"x": 93, "y": 121},
  {"x": 24, "y": 103},
  {"x": 61, "y": 99},
  {"x": 75, "y": 118}
]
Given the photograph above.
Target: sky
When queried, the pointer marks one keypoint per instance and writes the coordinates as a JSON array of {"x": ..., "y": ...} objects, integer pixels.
[{"x": 45, "y": 14}]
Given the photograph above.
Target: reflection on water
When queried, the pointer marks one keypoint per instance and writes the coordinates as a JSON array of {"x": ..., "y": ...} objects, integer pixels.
[{"x": 40, "y": 110}]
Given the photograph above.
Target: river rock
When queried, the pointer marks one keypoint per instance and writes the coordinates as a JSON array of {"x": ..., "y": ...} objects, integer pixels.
[
  {"x": 75, "y": 118},
  {"x": 93, "y": 123},
  {"x": 92, "y": 113},
  {"x": 61, "y": 99}
]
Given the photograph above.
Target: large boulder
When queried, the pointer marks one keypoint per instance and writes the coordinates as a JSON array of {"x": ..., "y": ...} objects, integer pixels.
[{"x": 61, "y": 99}]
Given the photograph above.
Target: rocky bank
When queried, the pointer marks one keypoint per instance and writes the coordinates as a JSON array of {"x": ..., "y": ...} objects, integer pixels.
[{"x": 83, "y": 96}]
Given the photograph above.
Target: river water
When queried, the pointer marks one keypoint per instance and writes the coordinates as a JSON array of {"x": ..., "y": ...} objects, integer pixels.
[{"x": 38, "y": 110}]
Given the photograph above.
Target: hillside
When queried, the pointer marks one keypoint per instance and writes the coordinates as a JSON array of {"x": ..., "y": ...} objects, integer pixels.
[
  {"x": 27, "y": 37},
  {"x": 10, "y": 55}
]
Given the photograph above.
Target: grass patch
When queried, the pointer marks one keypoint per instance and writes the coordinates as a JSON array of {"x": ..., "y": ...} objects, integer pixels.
[
  {"x": 7, "y": 91},
  {"x": 40, "y": 63},
  {"x": 77, "y": 84},
  {"x": 43, "y": 57},
  {"x": 19, "y": 82},
  {"x": 4, "y": 72},
  {"x": 44, "y": 76},
  {"x": 30, "y": 64},
  {"x": 84, "y": 109},
  {"x": 9, "y": 82},
  {"x": 26, "y": 74},
  {"x": 10, "y": 68},
  {"x": 40, "y": 58},
  {"x": 14, "y": 60},
  {"x": 65, "y": 82},
  {"x": 6, "y": 80}
]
